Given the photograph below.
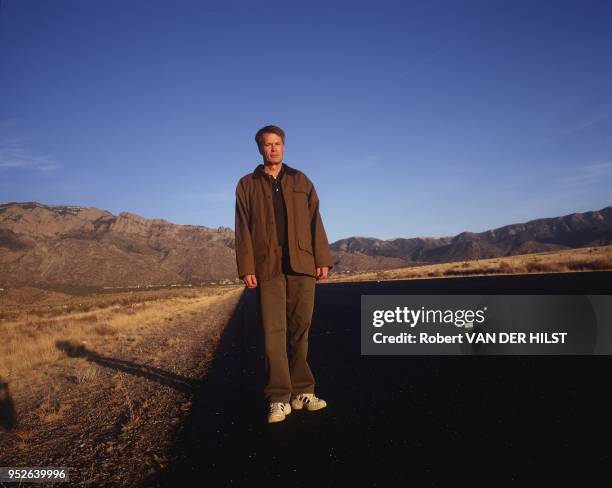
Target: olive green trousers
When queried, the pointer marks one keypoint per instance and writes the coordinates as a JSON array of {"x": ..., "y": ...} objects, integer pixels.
[{"x": 286, "y": 303}]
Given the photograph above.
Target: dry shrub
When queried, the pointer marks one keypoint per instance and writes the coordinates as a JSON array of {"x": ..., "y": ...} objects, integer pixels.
[
  {"x": 555, "y": 267},
  {"x": 478, "y": 271},
  {"x": 591, "y": 264},
  {"x": 519, "y": 268},
  {"x": 86, "y": 374},
  {"x": 40, "y": 324},
  {"x": 535, "y": 266},
  {"x": 505, "y": 267},
  {"x": 86, "y": 318},
  {"x": 601, "y": 264},
  {"x": 538, "y": 266},
  {"x": 25, "y": 435},
  {"x": 50, "y": 409},
  {"x": 123, "y": 311},
  {"x": 105, "y": 329},
  {"x": 463, "y": 272}
]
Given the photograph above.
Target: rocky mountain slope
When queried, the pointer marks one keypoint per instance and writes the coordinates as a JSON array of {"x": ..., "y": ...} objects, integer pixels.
[
  {"x": 60, "y": 245},
  {"x": 541, "y": 235},
  {"x": 70, "y": 245}
]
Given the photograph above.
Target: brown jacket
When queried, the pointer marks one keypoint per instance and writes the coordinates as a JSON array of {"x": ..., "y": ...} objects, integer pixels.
[{"x": 257, "y": 248}]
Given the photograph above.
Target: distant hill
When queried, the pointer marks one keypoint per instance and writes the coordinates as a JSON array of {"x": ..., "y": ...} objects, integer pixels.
[
  {"x": 69, "y": 245},
  {"x": 549, "y": 234},
  {"x": 55, "y": 245}
]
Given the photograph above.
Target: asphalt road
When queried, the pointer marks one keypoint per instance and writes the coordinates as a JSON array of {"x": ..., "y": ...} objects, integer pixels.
[{"x": 429, "y": 420}]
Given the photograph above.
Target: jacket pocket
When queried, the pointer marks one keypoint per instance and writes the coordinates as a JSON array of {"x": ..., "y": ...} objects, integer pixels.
[
  {"x": 301, "y": 195},
  {"x": 304, "y": 190},
  {"x": 305, "y": 246}
]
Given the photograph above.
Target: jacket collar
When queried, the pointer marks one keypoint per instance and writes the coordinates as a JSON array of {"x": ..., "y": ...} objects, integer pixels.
[{"x": 259, "y": 171}]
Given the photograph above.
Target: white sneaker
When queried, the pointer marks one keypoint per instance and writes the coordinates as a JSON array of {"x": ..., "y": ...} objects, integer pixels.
[
  {"x": 308, "y": 400},
  {"x": 278, "y": 411}
]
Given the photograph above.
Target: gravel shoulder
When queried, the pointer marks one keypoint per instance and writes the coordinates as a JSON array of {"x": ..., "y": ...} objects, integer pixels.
[{"x": 110, "y": 408}]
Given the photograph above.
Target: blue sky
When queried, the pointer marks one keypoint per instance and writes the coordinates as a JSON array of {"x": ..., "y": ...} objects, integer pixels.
[{"x": 411, "y": 118}]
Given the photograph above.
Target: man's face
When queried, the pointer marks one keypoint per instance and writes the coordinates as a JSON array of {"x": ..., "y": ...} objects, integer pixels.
[{"x": 271, "y": 148}]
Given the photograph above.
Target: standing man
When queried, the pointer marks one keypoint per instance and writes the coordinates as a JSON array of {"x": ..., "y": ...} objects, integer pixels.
[{"x": 282, "y": 250}]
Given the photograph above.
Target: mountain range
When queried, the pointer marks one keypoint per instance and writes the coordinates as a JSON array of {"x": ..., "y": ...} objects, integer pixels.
[
  {"x": 540, "y": 235},
  {"x": 66, "y": 245}
]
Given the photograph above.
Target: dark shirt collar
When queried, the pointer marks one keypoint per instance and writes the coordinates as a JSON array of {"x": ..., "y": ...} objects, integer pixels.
[{"x": 285, "y": 169}]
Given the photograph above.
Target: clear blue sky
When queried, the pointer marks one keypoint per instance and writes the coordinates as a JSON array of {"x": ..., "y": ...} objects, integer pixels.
[{"x": 411, "y": 118}]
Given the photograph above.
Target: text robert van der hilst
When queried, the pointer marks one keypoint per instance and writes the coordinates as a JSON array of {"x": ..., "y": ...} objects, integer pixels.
[{"x": 465, "y": 319}]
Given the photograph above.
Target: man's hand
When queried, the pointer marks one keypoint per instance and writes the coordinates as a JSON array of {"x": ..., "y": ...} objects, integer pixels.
[
  {"x": 250, "y": 281},
  {"x": 322, "y": 272}
]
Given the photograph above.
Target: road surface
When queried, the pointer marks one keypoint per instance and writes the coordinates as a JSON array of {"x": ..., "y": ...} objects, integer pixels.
[{"x": 396, "y": 419}]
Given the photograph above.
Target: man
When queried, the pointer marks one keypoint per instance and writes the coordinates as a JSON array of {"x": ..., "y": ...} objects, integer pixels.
[{"x": 282, "y": 250}]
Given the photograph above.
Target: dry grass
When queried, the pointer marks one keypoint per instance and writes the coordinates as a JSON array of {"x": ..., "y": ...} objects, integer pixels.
[
  {"x": 51, "y": 409},
  {"x": 86, "y": 373},
  {"x": 28, "y": 303},
  {"x": 24, "y": 438},
  {"x": 28, "y": 343},
  {"x": 584, "y": 259},
  {"x": 106, "y": 329}
]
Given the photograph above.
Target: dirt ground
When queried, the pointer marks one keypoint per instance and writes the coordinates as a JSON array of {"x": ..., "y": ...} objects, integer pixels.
[
  {"x": 109, "y": 407},
  {"x": 598, "y": 258}
]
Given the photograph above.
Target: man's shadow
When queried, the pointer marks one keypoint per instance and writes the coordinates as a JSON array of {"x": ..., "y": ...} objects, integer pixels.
[
  {"x": 8, "y": 416},
  {"x": 173, "y": 380}
]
